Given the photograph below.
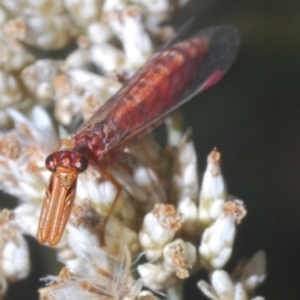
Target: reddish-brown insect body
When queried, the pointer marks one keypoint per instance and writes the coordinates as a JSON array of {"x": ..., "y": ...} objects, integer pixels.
[{"x": 169, "y": 79}]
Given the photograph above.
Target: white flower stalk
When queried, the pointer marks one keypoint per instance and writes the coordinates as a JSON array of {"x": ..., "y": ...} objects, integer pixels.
[
  {"x": 213, "y": 192},
  {"x": 129, "y": 25},
  {"x": 185, "y": 179},
  {"x": 156, "y": 277},
  {"x": 13, "y": 54},
  {"x": 251, "y": 273},
  {"x": 39, "y": 76},
  {"x": 44, "y": 32},
  {"x": 28, "y": 7},
  {"x": 159, "y": 228},
  {"x": 217, "y": 240},
  {"x": 14, "y": 254},
  {"x": 107, "y": 58},
  {"x": 80, "y": 91},
  {"x": 80, "y": 58},
  {"x": 99, "y": 32},
  {"x": 129, "y": 28},
  {"x": 190, "y": 228},
  {"x": 185, "y": 187},
  {"x": 158, "y": 11},
  {"x": 223, "y": 288},
  {"x": 84, "y": 12},
  {"x": 179, "y": 257}
]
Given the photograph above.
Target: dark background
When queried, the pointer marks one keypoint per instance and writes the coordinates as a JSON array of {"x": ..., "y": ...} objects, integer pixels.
[{"x": 253, "y": 118}]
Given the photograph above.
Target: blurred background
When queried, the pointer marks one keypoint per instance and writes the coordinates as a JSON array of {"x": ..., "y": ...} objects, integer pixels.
[{"x": 253, "y": 118}]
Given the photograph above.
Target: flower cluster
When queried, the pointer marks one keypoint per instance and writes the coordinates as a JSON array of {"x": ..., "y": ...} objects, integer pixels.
[
  {"x": 34, "y": 35},
  {"x": 165, "y": 227}
]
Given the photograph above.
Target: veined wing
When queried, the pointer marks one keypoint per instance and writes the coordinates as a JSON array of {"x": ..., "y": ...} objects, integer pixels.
[{"x": 170, "y": 78}]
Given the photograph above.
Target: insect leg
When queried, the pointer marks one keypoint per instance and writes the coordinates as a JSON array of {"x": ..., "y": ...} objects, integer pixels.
[{"x": 119, "y": 188}]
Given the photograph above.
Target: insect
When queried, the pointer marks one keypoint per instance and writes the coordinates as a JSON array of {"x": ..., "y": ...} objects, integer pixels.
[{"x": 170, "y": 78}]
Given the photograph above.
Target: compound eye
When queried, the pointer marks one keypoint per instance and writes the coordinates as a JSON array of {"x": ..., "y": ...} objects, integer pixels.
[
  {"x": 49, "y": 162},
  {"x": 83, "y": 164}
]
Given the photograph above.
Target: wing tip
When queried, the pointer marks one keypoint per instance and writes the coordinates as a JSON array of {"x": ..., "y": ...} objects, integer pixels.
[{"x": 224, "y": 43}]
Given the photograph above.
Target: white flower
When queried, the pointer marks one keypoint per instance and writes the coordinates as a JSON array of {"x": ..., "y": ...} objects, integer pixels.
[
  {"x": 14, "y": 254},
  {"x": 86, "y": 226},
  {"x": 22, "y": 170},
  {"x": 38, "y": 77},
  {"x": 157, "y": 187},
  {"x": 185, "y": 187},
  {"x": 84, "y": 12},
  {"x": 107, "y": 58},
  {"x": 179, "y": 257},
  {"x": 44, "y": 32},
  {"x": 156, "y": 277},
  {"x": 129, "y": 28},
  {"x": 23, "y": 152},
  {"x": 99, "y": 33},
  {"x": 185, "y": 168},
  {"x": 13, "y": 55},
  {"x": 213, "y": 192},
  {"x": 158, "y": 229},
  {"x": 10, "y": 89},
  {"x": 81, "y": 91},
  {"x": 29, "y": 7},
  {"x": 96, "y": 272},
  {"x": 251, "y": 273},
  {"x": 217, "y": 240},
  {"x": 224, "y": 288}
]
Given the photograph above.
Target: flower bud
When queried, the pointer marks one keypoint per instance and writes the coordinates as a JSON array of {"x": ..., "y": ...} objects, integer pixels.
[
  {"x": 213, "y": 191},
  {"x": 158, "y": 229},
  {"x": 217, "y": 240},
  {"x": 179, "y": 257}
]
